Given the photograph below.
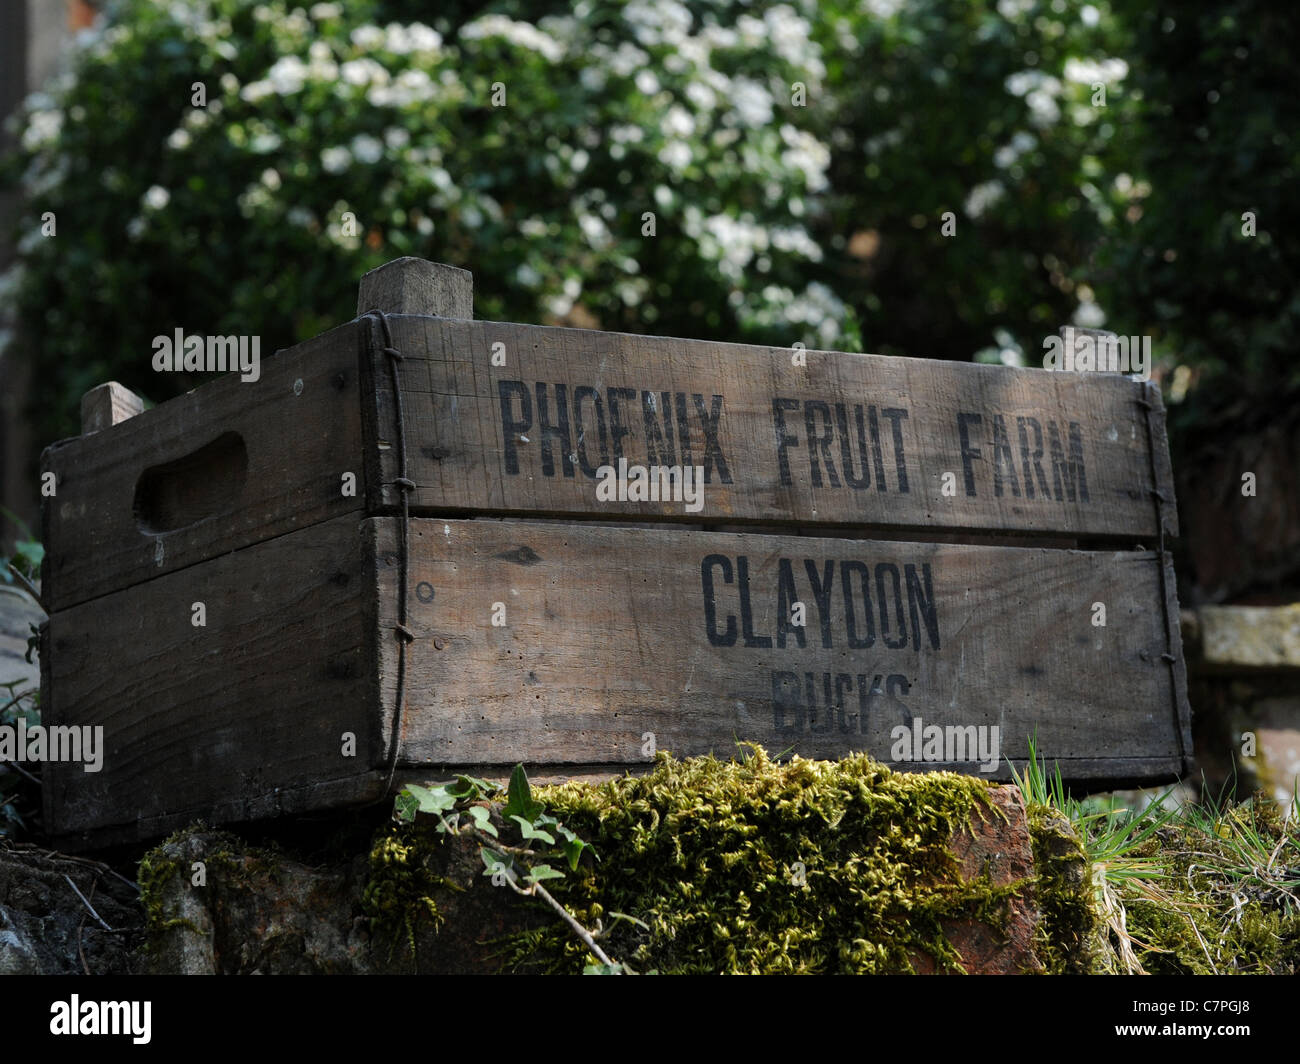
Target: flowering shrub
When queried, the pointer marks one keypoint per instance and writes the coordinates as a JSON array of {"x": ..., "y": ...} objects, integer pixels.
[
  {"x": 913, "y": 178},
  {"x": 330, "y": 142}
]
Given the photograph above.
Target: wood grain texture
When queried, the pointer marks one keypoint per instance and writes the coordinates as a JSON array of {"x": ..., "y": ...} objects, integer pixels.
[
  {"x": 607, "y": 638},
  {"x": 240, "y": 719},
  {"x": 417, "y": 286},
  {"x": 108, "y": 405},
  {"x": 298, "y": 428},
  {"x": 527, "y": 436}
]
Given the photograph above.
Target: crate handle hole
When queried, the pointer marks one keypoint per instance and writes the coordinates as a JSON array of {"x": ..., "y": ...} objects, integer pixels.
[{"x": 203, "y": 484}]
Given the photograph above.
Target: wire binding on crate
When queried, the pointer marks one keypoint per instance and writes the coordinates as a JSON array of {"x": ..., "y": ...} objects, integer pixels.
[
  {"x": 1168, "y": 657},
  {"x": 405, "y": 486}
]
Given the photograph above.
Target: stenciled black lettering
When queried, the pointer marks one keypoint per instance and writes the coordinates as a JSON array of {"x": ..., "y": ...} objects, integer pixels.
[
  {"x": 1004, "y": 463},
  {"x": 968, "y": 453},
  {"x": 747, "y": 609},
  {"x": 660, "y": 448},
  {"x": 1031, "y": 460},
  {"x": 683, "y": 430},
  {"x": 877, "y": 459},
  {"x": 579, "y": 395},
  {"x": 786, "y": 596},
  {"x": 855, "y": 480},
  {"x": 896, "y": 415},
  {"x": 784, "y": 439},
  {"x": 848, "y": 720},
  {"x": 847, "y": 569},
  {"x": 557, "y": 431},
  {"x": 786, "y": 699},
  {"x": 821, "y": 588},
  {"x": 716, "y": 638},
  {"x": 819, "y": 442},
  {"x": 882, "y": 596},
  {"x": 617, "y": 430},
  {"x": 513, "y": 427},
  {"x": 1070, "y": 472},
  {"x": 712, "y": 446},
  {"x": 920, "y": 601}
]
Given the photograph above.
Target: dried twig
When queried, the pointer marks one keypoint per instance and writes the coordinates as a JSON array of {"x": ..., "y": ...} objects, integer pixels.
[
  {"x": 21, "y": 771},
  {"x": 18, "y": 698},
  {"x": 29, "y": 587},
  {"x": 87, "y": 904}
]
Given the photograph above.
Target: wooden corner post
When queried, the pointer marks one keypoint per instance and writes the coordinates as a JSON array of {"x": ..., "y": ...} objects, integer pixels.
[
  {"x": 107, "y": 405},
  {"x": 417, "y": 286}
]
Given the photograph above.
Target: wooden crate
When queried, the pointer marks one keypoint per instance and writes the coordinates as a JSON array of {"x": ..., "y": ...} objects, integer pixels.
[{"x": 945, "y": 528}]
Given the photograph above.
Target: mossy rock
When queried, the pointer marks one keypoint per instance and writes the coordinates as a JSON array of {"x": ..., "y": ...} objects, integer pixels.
[{"x": 749, "y": 866}]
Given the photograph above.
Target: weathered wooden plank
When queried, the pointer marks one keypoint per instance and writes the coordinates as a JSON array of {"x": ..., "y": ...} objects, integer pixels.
[
  {"x": 518, "y": 419},
  {"x": 243, "y": 717},
  {"x": 607, "y": 637},
  {"x": 417, "y": 286},
  {"x": 226, "y": 465},
  {"x": 108, "y": 405}
]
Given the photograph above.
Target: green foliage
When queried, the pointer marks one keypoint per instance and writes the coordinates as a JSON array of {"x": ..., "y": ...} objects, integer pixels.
[
  {"x": 1112, "y": 838},
  {"x": 1230, "y": 900},
  {"x": 237, "y": 217},
  {"x": 817, "y": 220},
  {"x": 518, "y": 866},
  {"x": 27, "y": 554},
  {"x": 1215, "y": 137},
  {"x": 1205, "y": 889},
  {"x": 18, "y": 794}
]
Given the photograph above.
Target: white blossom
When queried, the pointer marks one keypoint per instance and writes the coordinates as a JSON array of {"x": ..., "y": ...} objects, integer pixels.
[
  {"x": 982, "y": 197},
  {"x": 752, "y": 102},
  {"x": 367, "y": 37},
  {"x": 287, "y": 75},
  {"x": 520, "y": 34},
  {"x": 335, "y": 160},
  {"x": 363, "y": 71},
  {"x": 1088, "y": 71},
  {"x": 42, "y": 128}
]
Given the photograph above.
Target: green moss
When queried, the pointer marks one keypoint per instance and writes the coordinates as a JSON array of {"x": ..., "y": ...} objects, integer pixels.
[
  {"x": 1067, "y": 939},
  {"x": 1226, "y": 900},
  {"x": 158, "y": 868},
  {"x": 154, "y": 873},
  {"x": 706, "y": 856},
  {"x": 399, "y": 894}
]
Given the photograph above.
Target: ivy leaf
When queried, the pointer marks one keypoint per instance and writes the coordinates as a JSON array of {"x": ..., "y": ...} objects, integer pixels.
[
  {"x": 404, "y": 807},
  {"x": 543, "y": 871},
  {"x": 431, "y": 799},
  {"x": 573, "y": 852},
  {"x": 519, "y": 798},
  {"x": 483, "y": 786},
  {"x": 530, "y": 832},
  {"x": 498, "y": 863},
  {"x": 573, "y": 846},
  {"x": 603, "y": 969},
  {"x": 482, "y": 819}
]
